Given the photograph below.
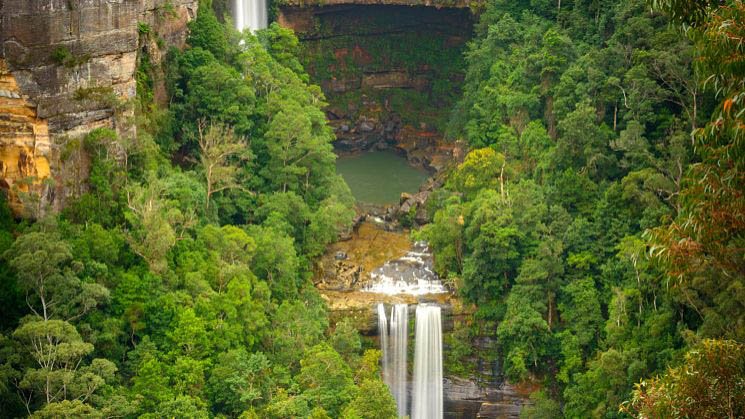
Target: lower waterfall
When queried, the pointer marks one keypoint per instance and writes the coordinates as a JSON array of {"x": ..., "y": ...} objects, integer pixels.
[
  {"x": 393, "y": 341},
  {"x": 251, "y": 14},
  {"x": 427, "y": 398},
  {"x": 427, "y": 384}
]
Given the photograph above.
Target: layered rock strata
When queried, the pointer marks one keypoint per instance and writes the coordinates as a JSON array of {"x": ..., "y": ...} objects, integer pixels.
[
  {"x": 68, "y": 66},
  {"x": 24, "y": 143},
  {"x": 390, "y": 73}
]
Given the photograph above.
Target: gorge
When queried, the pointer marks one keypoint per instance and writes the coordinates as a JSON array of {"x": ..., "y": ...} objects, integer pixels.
[
  {"x": 372, "y": 209},
  {"x": 391, "y": 73}
]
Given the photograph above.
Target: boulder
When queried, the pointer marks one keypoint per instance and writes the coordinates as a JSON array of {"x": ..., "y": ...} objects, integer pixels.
[{"x": 366, "y": 126}]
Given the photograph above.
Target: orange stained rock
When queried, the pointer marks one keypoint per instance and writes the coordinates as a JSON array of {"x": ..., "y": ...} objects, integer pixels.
[{"x": 24, "y": 142}]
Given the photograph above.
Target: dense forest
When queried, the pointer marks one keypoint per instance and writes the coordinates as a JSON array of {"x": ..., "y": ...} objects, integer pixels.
[
  {"x": 596, "y": 224},
  {"x": 178, "y": 285},
  {"x": 598, "y": 220}
]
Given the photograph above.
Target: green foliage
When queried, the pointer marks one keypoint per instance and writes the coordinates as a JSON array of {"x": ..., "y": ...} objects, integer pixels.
[
  {"x": 459, "y": 352},
  {"x": 482, "y": 168},
  {"x": 64, "y": 57},
  {"x": 207, "y": 33},
  {"x": 239, "y": 380},
  {"x": 102, "y": 202},
  {"x": 346, "y": 341},
  {"x": 46, "y": 272},
  {"x": 711, "y": 383},
  {"x": 202, "y": 245},
  {"x": 143, "y": 28},
  {"x": 298, "y": 326},
  {"x": 176, "y": 281},
  {"x": 374, "y": 400},
  {"x": 543, "y": 407},
  {"x": 326, "y": 380},
  {"x": 576, "y": 117}
]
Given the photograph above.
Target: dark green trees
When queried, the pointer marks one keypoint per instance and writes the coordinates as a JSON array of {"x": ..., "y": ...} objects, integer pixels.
[
  {"x": 177, "y": 283},
  {"x": 588, "y": 108}
]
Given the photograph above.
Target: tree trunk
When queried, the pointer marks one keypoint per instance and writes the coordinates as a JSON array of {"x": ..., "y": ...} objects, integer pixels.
[
  {"x": 615, "y": 116},
  {"x": 550, "y": 310}
]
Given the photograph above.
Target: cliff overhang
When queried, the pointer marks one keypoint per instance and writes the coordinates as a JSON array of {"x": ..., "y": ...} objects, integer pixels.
[{"x": 391, "y": 72}]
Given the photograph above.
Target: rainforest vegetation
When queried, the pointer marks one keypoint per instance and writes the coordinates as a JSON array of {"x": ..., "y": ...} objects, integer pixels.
[
  {"x": 598, "y": 220},
  {"x": 596, "y": 224},
  {"x": 178, "y": 284}
]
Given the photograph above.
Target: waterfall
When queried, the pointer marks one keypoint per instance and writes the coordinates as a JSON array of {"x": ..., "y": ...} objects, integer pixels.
[
  {"x": 427, "y": 398},
  {"x": 393, "y": 340},
  {"x": 251, "y": 14},
  {"x": 383, "y": 333}
]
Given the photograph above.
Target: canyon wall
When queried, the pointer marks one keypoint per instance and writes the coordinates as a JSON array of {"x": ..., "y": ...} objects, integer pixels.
[
  {"x": 67, "y": 67},
  {"x": 391, "y": 74}
]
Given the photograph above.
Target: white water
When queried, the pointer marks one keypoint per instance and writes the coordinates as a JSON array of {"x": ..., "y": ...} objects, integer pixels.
[
  {"x": 251, "y": 14},
  {"x": 411, "y": 274},
  {"x": 383, "y": 334},
  {"x": 393, "y": 340},
  {"x": 427, "y": 397}
]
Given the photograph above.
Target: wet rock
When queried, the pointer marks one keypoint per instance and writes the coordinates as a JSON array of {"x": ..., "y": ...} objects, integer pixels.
[
  {"x": 343, "y": 277},
  {"x": 456, "y": 388},
  {"x": 332, "y": 115},
  {"x": 417, "y": 203},
  {"x": 392, "y": 227},
  {"x": 382, "y": 145},
  {"x": 464, "y": 398},
  {"x": 421, "y": 216},
  {"x": 366, "y": 126}
]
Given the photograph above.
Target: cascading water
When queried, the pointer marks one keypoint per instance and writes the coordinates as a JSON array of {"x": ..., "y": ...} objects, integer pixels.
[
  {"x": 393, "y": 340},
  {"x": 411, "y": 274},
  {"x": 427, "y": 398},
  {"x": 251, "y": 14}
]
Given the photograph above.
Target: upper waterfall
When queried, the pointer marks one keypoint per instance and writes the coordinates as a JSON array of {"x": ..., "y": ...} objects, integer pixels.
[{"x": 251, "y": 14}]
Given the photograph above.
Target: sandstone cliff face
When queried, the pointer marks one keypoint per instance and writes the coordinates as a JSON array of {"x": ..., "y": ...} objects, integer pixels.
[
  {"x": 68, "y": 66},
  {"x": 24, "y": 142}
]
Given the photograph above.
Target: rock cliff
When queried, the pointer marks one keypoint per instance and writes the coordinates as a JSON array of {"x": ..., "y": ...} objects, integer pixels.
[
  {"x": 391, "y": 73},
  {"x": 67, "y": 67}
]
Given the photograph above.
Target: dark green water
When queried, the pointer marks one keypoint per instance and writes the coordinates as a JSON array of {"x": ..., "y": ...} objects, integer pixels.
[{"x": 379, "y": 177}]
